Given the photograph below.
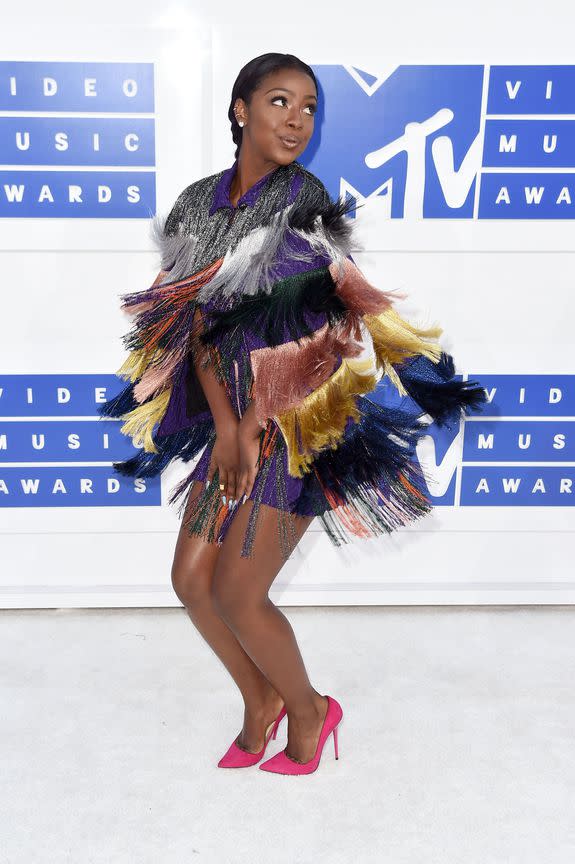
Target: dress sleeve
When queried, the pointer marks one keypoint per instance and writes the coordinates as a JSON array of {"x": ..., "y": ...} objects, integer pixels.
[
  {"x": 163, "y": 394},
  {"x": 345, "y": 334},
  {"x": 310, "y": 385}
]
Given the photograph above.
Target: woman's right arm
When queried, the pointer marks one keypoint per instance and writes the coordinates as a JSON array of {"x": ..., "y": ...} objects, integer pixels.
[{"x": 225, "y": 454}]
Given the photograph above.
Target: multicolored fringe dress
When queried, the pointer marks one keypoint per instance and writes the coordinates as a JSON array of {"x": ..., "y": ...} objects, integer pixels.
[{"x": 288, "y": 320}]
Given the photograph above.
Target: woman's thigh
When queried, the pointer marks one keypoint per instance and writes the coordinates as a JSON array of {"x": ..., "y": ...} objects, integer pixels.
[
  {"x": 238, "y": 579},
  {"x": 194, "y": 558}
]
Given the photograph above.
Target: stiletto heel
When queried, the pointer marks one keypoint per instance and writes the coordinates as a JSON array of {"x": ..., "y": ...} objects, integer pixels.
[
  {"x": 235, "y": 757},
  {"x": 281, "y": 763}
]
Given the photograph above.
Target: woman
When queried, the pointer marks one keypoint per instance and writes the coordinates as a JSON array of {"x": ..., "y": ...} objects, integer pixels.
[{"x": 258, "y": 342}]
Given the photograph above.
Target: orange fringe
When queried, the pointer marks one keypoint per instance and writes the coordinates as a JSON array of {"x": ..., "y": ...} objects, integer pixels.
[
  {"x": 268, "y": 441},
  {"x": 176, "y": 296},
  {"x": 412, "y": 488},
  {"x": 344, "y": 511}
]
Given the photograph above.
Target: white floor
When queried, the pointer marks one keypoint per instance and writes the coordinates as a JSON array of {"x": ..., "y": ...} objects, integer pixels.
[{"x": 456, "y": 746}]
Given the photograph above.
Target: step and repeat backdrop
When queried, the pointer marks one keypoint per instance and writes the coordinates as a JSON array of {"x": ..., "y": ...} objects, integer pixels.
[{"x": 465, "y": 177}]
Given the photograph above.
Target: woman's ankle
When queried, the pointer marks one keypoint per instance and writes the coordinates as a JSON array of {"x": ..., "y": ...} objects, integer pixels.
[
  {"x": 307, "y": 712},
  {"x": 262, "y": 704}
]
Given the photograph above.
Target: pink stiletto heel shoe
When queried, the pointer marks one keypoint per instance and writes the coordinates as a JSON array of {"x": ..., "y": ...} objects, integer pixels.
[
  {"x": 281, "y": 763},
  {"x": 238, "y": 758}
]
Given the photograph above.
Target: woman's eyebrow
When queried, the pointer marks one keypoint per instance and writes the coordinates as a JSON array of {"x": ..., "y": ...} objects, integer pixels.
[{"x": 309, "y": 95}]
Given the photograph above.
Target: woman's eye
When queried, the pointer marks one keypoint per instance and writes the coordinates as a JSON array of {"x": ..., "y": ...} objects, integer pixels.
[{"x": 284, "y": 99}]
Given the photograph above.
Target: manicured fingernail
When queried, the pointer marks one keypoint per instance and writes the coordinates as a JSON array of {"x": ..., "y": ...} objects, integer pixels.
[
  {"x": 244, "y": 498},
  {"x": 224, "y": 498}
]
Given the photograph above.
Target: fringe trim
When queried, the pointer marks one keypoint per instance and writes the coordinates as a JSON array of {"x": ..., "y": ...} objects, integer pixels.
[
  {"x": 134, "y": 365},
  {"x": 139, "y": 423},
  {"x": 286, "y": 374},
  {"x": 184, "y": 444},
  {"x": 250, "y": 266},
  {"x": 394, "y": 339},
  {"x": 284, "y": 310},
  {"x": 158, "y": 375},
  {"x": 207, "y": 513},
  {"x": 209, "y": 518},
  {"x": 367, "y": 513},
  {"x": 162, "y": 333},
  {"x": 434, "y": 388},
  {"x": 319, "y": 420},
  {"x": 370, "y": 484},
  {"x": 356, "y": 293},
  {"x": 120, "y": 404},
  {"x": 340, "y": 231},
  {"x": 165, "y": 325},
  {"x": 177, "y": 251}
]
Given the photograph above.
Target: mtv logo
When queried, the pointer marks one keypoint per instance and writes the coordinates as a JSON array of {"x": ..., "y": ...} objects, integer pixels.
[
  {"x": 406, "y": 144},
  {"x": 448, "y": 142}
]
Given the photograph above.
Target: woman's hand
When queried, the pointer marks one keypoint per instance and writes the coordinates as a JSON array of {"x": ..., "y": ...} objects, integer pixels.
[
  {"x": 226, "y": 458},
  {"x": 235, "y": 454}
]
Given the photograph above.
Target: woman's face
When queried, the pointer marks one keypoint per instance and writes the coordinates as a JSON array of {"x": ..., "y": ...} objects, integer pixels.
[{"x": 282, "y": 107}]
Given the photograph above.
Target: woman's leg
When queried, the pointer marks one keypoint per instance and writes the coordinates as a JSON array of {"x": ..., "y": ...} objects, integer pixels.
[
  {"x": 241, "y": 588},
  {"x": 192, "y": 573}
]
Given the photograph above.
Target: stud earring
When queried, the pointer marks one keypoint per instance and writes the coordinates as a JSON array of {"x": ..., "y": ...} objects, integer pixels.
[{"x": 240, "y": 122}]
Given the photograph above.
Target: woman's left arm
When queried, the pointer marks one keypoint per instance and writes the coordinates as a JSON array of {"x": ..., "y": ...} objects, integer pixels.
[
  {"x": 249, "y": 437},
  {"x": 249, "y": 425}
]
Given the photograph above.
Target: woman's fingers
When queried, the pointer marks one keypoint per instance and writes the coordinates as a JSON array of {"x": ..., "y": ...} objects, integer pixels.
[
  {"x": 251, "y": 479},
  {"x": 241, "y": 485},
  {"x": 228, "y": 479},
  {"x": 245, "y": 484},
  {"x": 232, "y": 485},
  {"x": 223, "y": 482},
  {"x": 237, "y": 484},
  {"x": 211, "y": 471}
]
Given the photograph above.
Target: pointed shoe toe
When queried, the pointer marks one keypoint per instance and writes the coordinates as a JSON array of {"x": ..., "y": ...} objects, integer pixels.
[
  {"x": 235, "y": 757},
  {"x": 238, "y": 758}
]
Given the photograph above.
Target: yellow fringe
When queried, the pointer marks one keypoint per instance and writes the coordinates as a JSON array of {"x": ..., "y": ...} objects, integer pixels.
[
  {"x": 140, "y": 421},
  {"x": 322, "y": 414},
  {"x": 134, "y": 365},
  {"x": 395, "y": 339}
]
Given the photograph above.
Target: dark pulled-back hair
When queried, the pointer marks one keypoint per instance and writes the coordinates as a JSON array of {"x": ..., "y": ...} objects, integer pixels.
[{"x": 251, "y": 76}]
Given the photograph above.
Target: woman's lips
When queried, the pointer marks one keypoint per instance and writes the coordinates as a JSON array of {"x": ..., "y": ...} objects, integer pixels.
[{"x": 289, "y": 142}]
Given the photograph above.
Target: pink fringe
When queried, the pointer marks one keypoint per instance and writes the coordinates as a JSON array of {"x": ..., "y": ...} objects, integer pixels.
[
  {"x": 136, "y": 308},
  {"x": 359, "y": 295},
  {"x": 286, "y": 373},
  {"x": 155, "y": 376}
]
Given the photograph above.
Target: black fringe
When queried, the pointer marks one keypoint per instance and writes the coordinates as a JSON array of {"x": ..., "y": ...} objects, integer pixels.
[
  {"x": 367, "y": 456},
  {"x": 184, "y": 444},
  {"x": 313, "y": 200},
  {"x": 433, "y": 387},
  {"x": 287, "y": 305},
  {"x": 148, "y": 321},
  {"x": 303, "y": 215},
  {"x": 120, "y": 404}
]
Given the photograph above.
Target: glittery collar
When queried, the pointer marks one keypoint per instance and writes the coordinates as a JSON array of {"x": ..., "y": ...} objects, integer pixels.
[{"x": 222, "y": 190}]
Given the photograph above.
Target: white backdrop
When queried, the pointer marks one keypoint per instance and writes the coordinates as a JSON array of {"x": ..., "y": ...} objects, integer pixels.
[{"x": 502, "y": 291}]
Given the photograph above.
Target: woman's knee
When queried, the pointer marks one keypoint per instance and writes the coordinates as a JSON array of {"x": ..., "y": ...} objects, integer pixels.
[{"x": 191, "y": 583}]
